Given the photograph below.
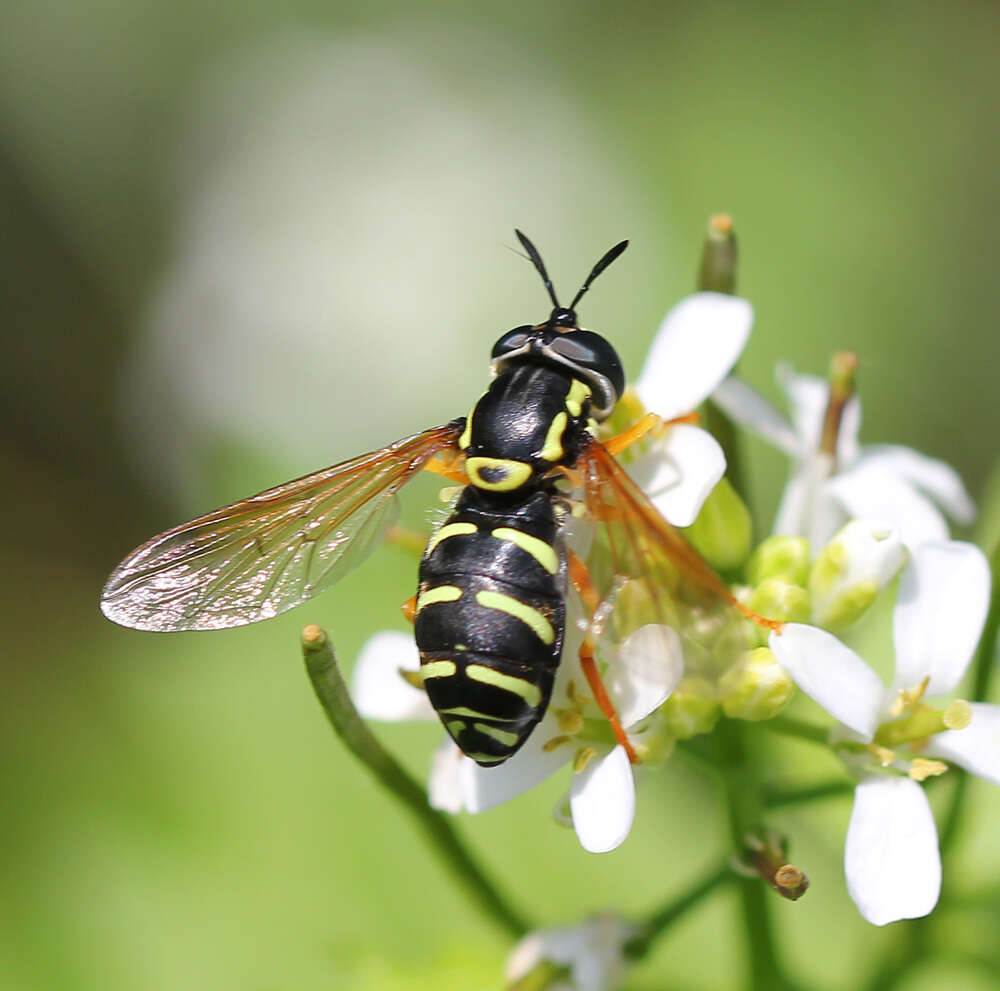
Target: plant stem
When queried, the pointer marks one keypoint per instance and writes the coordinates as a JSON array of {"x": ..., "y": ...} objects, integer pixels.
[
  {"x": 789, "y": 726},
  {"x": 774, "y": 798},
  {"x": 740, "y": 792},
  {"x": 327, "y": 682},
  {"x": 665, "y": 916}
]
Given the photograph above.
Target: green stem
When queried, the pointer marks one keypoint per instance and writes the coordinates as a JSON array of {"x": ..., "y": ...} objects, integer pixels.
[
  {"x": 789, "y": 726},
  {"x": 740, "y": 792},
  {"x": 717, "y": 273},
  {"x": 664, "y": 917},
  {"x": 321, "y": 665},
  {"x": 984, "y": 663},
  {"x": 774, "y": 798}
]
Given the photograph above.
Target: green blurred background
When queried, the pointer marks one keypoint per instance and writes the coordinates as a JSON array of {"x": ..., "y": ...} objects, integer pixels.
[{"x": 244, "y": 240}]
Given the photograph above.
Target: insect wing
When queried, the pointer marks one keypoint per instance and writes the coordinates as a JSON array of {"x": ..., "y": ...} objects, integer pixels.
[
  {"x": 652, "y": 575},
  {"x": 261, "y": 556}
]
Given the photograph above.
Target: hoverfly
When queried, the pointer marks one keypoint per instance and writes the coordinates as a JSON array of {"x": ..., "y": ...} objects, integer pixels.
[{"x": 490, "y": 611}]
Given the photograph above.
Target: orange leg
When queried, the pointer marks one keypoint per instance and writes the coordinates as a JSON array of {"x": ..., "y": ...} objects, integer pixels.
[
  {"x": 450, "y": 471},
  {"x": 650, "y": 423},
  {"x": 409, "y": 608},
  {"x": 580, "y": 578}
]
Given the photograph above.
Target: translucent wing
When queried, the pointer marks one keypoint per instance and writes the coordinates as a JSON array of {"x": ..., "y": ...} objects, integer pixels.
[
  {"x": 652, "y": 574},
  {"x": 263, "y": 555}
]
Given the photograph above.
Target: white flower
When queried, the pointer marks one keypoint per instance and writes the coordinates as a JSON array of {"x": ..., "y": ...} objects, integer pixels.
[
  {"x": 591, "y": 950},
  {"x": 883, "y": 481},
  {"x": 891, "y": 857},
  {"x": 696, "y": 346},
  {"x": 647, "y": 668}
]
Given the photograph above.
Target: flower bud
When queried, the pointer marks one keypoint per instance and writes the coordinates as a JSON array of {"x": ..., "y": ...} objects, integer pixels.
[
  {"x": 692, "y": 709},
  {"x": 723, "y": 530},
  {"x": 780, "y": 557},
  {"x": 779, "y": 599},
  {"x": 851, "y": 570},
  {"x": 755, "y": 687}
]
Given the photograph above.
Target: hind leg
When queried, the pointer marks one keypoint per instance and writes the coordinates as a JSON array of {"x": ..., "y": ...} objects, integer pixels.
[{"x": 580, "y": 577}]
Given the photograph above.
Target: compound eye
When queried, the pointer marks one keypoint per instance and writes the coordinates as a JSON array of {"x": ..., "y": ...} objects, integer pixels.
[
  {"x": 586, "y": 349},
  {"x": 513, "y": 340}
]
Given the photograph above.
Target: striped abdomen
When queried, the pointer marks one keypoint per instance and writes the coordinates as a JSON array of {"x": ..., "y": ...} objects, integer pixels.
[{"x": 490, "y": 620}]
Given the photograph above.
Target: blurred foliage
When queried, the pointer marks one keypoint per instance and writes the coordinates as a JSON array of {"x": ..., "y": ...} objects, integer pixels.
[{"x": 175, "y": 812}]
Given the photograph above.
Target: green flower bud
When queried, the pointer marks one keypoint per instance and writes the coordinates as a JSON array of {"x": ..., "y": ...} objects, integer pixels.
[
  {"x": 755, "y": 688},
  {"x": 692, "y": 709},
  {"x": 780, "y": 557},
  {"x": 723, "y": 531},
  {"x": 777, "y": 598},
  {"x": 851, "y": 570},
  {"x": 653, "y": 739}
]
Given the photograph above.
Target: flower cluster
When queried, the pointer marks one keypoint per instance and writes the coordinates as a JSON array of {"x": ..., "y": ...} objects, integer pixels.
[{"x": 855, "y": 523}]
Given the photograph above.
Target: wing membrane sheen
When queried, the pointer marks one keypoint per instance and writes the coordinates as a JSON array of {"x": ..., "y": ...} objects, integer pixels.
[{"x": 263, "y": 555}]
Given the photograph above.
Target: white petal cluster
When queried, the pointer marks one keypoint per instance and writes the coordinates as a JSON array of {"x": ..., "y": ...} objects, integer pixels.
[
  {"x": 891, "y": 858},
  {"x": 906, "y": 490},
  {"x": 591, "y": 950}
]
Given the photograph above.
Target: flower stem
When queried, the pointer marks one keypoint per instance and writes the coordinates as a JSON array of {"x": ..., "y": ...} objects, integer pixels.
[
  {"x": 664, "y": 917},
  {"x": 717, "y": 273},
  {"x": 740, "y": 792},
  {"x": 789, "y": 726},
  {"x": 776, "y": 798},
  {"x": 327, "y": 682}
]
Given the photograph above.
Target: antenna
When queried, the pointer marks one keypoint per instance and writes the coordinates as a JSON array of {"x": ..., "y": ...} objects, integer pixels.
[
  {"x": 536, "y": 260},
  {"x": 608, "y": 258}
]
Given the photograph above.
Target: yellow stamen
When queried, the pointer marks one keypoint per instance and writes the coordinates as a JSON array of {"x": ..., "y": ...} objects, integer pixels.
[
  {"x": 908, "y": 697},
  {"x": 570, "y": 721},
  {"x": 921, "y": 769},
  {"x": 583, "y": 757}
]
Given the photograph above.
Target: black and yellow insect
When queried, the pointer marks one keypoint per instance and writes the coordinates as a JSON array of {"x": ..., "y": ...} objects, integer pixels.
[{"x": 490, "y": 613}]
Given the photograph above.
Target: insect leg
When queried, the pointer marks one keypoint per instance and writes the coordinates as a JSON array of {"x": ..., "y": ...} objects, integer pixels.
[
  {"x": 409, "y": 608},
  {"x": 450, "y": 471},
  {"x": 650, "y": 423},
  {"x": 580, "y": 577}
]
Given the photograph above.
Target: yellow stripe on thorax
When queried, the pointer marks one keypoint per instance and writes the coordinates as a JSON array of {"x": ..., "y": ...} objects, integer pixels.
[
  {"x": 552, "y": 449},
  {"x": 526, "y": 614},
  {"x": 578, "y": 391},
  {"x": 538, "y": 549},
  {"x": 531, "y": 693}
]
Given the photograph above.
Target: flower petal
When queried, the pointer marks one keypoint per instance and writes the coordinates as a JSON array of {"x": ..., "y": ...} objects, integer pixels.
[
  {"x": 977, "y": 747},
  {"x": 697, "y": 344},
  {"x": 867, "y": 492},
  {"x": 486, "y": 787},
  {"x": 649, "y": 665},
  {"x": 592, "y": 949},
  {"x": 602, "y": 800},
  {"x": 807, "y": 396},
  {"x": 378, "y": 689},
  {"x": 936, "y": 478},
  {"x": 891, "y": 856},
  {"x": 806, "y": 509},
  {"x": 831, "y": 674},
  {"x": 943, "y": 597},
  {"x": 746, "y": 407},
  {"x": 444, "y": 786},
  {"x": 679, "y": 471}
]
